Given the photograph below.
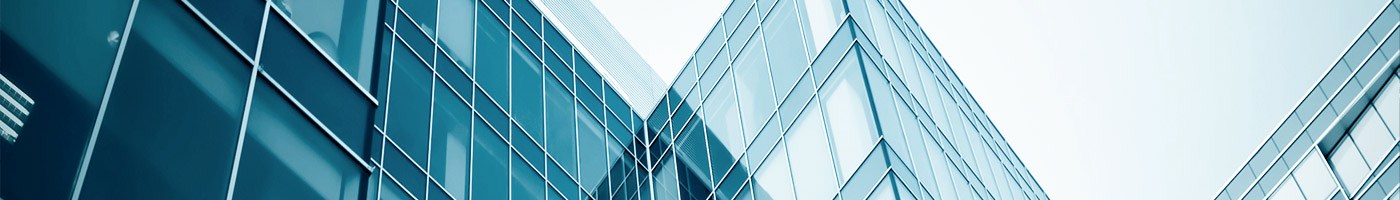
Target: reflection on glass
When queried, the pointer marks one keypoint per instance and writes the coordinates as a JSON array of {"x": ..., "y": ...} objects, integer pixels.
[
  {"x": 807, "y": 144},
  {"x": 203, "y": 86},
  {"x": 286, "y": 157},
  {"x": 343, "y": 29}
]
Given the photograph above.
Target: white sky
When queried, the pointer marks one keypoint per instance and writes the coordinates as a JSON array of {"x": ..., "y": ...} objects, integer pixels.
[{"x": 1102, "y": 99}]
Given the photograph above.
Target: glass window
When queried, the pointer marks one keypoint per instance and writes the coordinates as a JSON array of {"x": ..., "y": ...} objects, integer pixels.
[
  {"x": 526, "y": 85},
  {"x": 409, "y": 106},
  {"x": 1371, "y": 137},
  {"x": 844, "y": 97},
  {"x": 773, "y": 180},
  {"x": 457, "y": 31},
  {"x": 1314, "y": 178},
  {"x": 722, "y": 118},
  {"x": 592, "y": 149},
  {"x": 1287, "y": 191},
  {"x": 240, "y": 21},
  {"x": 424, "y": 12},
  {"x": 64, "y": 67},
  {"x": 451, "y": 140},
  {"x": 1349, "y": 164},
  {"x": 1387, "y": 105},
  {"x": 490, "y": 174},
  {"x": 203, "y": 85},
  {"x": 314, "y": 82},
  {"x": 754, "y": 86},
  {"x": 344, "y": 29},
  {"x": 807, "y": 144},
  {"x": 493, "y": 57},
  {"x": 562, "y": 137},
  {"x": 285, "y": 156}
]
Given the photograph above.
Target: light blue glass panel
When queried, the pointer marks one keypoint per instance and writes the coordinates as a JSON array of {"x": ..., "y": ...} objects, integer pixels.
[
  {"x": 782, "y": 33},
  {"x": 457, "y": 32},
  {"x": 287, "y": 157},
  {"x": 1350, "y": 165},
  {"x": 561, "y": 129},
  {"x": 722, "y": 117},
  {"x": 754, "y": 86},
  {"x": 807, "y": 144},
  {"x": 1387, "y": 105},
  {"x": 1287, "y": 191},
  {"x": 343, "y": 29},
  {"x": 774, "y": 178},
  {"x": 492, "y": 57},
  {"x": 409, "y": 107},
  {"x": 850, "y": 117},
  {"x": 1371, "y": 137},
  {"x": 1314, "y": 178}
]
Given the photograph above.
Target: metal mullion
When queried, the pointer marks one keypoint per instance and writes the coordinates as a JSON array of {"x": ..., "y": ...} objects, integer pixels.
[
  {"x": 102, "y": 108},
  {"x": 247, "y": 104}
]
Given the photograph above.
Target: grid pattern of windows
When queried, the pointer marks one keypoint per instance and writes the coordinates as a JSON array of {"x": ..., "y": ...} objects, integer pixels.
[
  {"x": 480, "y": 99},
  {"x": 1340, "y": 141},
  {"x": 783, "y": 101}
]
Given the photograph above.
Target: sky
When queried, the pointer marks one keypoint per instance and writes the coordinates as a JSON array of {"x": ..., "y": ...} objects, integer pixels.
[{"x": 1101, "y": 99}]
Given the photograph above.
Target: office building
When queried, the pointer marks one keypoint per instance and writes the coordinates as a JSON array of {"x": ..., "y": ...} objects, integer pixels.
[
  {"x": 1340, "y": 141},
  {"x": 481, "y": 99}
]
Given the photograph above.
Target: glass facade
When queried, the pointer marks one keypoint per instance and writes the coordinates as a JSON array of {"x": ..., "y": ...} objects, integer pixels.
[
  {"x": 784, "y": 100},
  {"x": 483, "y": 99},
  {"x": 1341, "y": 140}
]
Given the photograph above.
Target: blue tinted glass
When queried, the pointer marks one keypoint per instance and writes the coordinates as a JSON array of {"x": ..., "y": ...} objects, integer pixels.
[
  {"x": 344, "y": 29},
  {"x": 66, "y": 79},
  {"x": 240, "y": 21},
  {"x": 311, "y": 80},
  {"x": 419, "y": 40},
  {"x": 286, "y": 156},
  {"x": 457, "y": 31},
  {"x": 490, "y": 172},
  {"x": 405, "y": 172},
  {"x": 527, "y": 12},
  {"x": 134, "y": 156},
  {"x": 525, "y": 183},
  {"x": 409, "y": 105},
  {"x": 424, "y": 12},
  {"x": 561, "y": 138},
  {"x": 451, "y": 140},
  {"x": 493, "y": 57},
  {"x": 526, "y": 85}
]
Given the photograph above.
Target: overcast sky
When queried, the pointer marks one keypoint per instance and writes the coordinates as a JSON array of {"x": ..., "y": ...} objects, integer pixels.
[{"x": 1102, "y": 99}]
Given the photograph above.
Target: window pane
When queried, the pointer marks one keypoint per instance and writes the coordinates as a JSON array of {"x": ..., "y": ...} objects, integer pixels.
[
  {"x": 410, "y": 104},
  {"x": 312, "y": 80},
  {"x": 343, "y": 29},
  {"x": 286, "y": 157},
  {"x": 203, "y": 86},
  {"x": 65, "y": 77},
  {"x": 451, "y": 140},
  {"x": 807, "y": 144},
  {"x": 1288, "y": 191},
  {"x": 851, "y": 118},
  {"x": 1349, "y": 164},
  {"x": 490, "y": 174},
  {"x": 1314, "y": 178}
]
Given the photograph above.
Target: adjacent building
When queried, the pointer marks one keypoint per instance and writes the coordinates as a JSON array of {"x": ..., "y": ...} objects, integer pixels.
[
  {"x": 1340, "y": 141},
  {"x": 481, "y": 99}
]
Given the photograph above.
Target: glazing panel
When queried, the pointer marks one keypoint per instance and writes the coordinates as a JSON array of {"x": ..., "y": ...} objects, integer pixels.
[
  {"x": 561, "y": 136},
  {"x": 409, "y": 107},
  {"x": 493, "y": 57},
  {"x": 423, "y": 12},
  {"x": 490, "y": 171},
  {"x": 754, "y": 87},
  {"x": 240, "y": 21},
  {"x": 285, "y": 156},
  {"x": 65, "y": 77},
  {"x": 850, "y": 117},
  {"x": 1387, "y": 105},
  {"x": 457, "y": 31},
  {"x": 526, "y": 86},
  {"x": 774, "y": 177},
  {"x": 451, "y": 140},
  {"x": 1371, "y": 137},
  {"x": 1350, "y": 165},
  {"x": 200, "y": 104},
  {"x": 807, "y": 144},
  {"x": 312, "y": 80},
  {"x": 344, "y": 29},
  {"x": 1314, "y": 178},
  {"x": 1287, "y": 191}
]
